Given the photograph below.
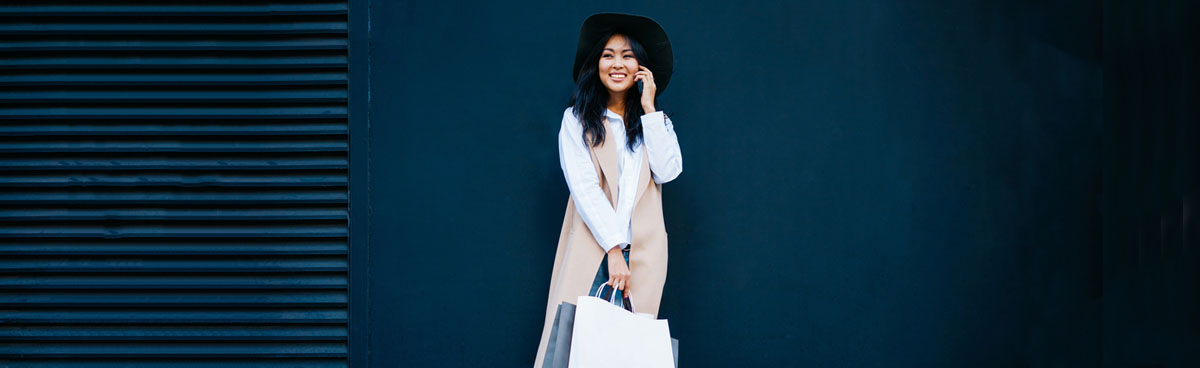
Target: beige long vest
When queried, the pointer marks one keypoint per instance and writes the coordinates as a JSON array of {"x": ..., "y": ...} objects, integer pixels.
[{"x": 579, "y": 255}]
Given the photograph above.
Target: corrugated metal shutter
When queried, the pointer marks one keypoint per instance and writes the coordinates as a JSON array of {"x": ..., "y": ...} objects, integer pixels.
[{"x": 173, "y": 183}]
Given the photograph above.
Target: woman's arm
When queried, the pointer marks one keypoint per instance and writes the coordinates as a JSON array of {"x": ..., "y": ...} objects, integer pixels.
[
  {"x": 662, "y": 146},
  {"x": 591, "y": 203}
]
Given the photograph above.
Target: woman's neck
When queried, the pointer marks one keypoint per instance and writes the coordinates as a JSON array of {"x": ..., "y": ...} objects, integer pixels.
[{"x": 616, "y": 102}]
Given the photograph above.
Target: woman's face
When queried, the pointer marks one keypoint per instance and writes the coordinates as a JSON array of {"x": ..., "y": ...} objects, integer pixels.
[{"x": 617, "y": 65}]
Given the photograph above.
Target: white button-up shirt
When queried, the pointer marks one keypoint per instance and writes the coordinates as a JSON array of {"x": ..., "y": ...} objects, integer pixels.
[{"x": 611, "y": 226}]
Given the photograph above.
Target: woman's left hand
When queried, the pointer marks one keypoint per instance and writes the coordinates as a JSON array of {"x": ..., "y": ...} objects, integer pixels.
[{"x": 648, "y": 88}]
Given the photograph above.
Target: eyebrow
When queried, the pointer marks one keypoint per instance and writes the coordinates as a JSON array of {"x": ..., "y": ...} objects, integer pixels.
[{"x": 608, "y": 49}]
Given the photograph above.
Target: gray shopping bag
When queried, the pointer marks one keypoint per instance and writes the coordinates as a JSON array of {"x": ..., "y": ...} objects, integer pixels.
[
  {"x": 675, "y": 350},
  {"x": 558, "y": 349}
]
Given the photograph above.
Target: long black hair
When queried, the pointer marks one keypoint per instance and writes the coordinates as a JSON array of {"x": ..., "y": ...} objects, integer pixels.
[{"x": 590, "y": 98}]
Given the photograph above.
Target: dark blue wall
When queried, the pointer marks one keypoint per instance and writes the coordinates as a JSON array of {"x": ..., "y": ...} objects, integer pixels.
[
  {"x": 884, "y": 183},
  {"x": 1151, "y": 184}
]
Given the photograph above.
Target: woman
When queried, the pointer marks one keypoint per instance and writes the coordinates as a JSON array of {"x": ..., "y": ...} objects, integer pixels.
[{"x": 616, "y": 150}]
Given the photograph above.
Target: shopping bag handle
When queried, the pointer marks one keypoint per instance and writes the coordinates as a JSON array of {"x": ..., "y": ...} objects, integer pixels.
[{"x": 611, "y": 294}]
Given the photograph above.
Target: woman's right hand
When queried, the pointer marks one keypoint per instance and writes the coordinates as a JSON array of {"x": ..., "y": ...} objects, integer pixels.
[{"x": 618, "y": 270}]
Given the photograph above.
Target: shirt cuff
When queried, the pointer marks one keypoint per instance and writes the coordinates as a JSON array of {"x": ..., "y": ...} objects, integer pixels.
[
  {"x": 657, "y": 116},
  {"x": 656, "y": 124},
  {"x": 609, "y": 248}
]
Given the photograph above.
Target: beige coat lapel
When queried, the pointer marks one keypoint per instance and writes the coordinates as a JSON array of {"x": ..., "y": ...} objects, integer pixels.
[
  {"x": 606, "y": 156},
  {"x": 644, "y": 178}
]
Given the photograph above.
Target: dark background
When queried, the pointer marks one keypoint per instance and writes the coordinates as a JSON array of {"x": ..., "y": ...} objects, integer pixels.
[
  {"x": 1151, "y": 184},
  {"x": 866, "y": 183}
]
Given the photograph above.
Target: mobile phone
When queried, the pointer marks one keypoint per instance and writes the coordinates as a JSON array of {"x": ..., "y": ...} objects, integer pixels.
[{"x": 639, "y": 87}]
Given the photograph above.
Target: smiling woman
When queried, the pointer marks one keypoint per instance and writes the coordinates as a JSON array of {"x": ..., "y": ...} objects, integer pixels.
[
  {"x": 616, "y": 150},
  {"x": 605, "y": 81}
]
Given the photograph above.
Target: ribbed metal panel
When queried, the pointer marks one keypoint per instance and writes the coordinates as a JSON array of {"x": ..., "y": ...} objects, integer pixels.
[{"x": 173, "y": 183}]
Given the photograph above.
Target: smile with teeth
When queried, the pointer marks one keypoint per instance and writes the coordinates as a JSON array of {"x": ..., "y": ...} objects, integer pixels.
[{"x": 617, "y": 76}]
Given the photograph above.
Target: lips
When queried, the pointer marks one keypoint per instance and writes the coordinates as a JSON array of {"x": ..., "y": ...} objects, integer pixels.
[{"x": 618, "y": 77}]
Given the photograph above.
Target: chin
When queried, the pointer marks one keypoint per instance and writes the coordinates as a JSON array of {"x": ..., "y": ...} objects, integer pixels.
[{"x": 617, "y": 89}]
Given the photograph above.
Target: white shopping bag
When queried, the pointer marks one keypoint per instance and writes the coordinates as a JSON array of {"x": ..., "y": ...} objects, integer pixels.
[{"x": 606, "y": 335}]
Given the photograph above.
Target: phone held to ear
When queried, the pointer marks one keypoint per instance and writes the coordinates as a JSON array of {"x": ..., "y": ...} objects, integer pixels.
[{"x": 639, "y": 87}]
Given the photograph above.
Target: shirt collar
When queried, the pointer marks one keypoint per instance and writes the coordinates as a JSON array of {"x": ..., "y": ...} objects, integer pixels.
[{"x": 612, "y": 115}]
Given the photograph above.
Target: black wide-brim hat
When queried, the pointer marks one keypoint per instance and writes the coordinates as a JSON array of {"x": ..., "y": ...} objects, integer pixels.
[{"x": 645, "y": 30}]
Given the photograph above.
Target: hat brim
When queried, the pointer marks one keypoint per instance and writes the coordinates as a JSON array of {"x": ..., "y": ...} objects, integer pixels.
[{"x": 645, "y": 30}]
